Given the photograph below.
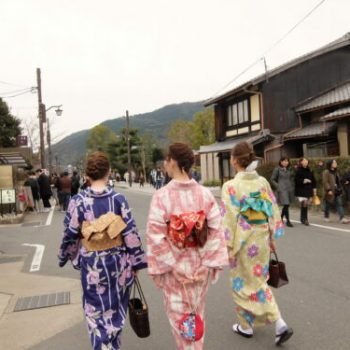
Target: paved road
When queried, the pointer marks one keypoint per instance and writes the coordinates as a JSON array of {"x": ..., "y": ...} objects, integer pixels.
[{"x": 315, "y": 303}]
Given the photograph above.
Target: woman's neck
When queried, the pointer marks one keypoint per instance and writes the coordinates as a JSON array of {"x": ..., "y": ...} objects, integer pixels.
[
  {"x": 239, "y": 169},
  {"x": 98, "y": 185},
  {"x": 180, "y": 176}
]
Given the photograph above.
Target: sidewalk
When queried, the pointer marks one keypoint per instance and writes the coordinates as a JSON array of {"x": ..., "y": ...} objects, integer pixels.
[{"x": 23, "y": 329}]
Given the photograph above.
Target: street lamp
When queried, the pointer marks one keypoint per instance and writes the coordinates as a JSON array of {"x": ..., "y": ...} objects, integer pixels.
[{"x": 58, "y": 111}]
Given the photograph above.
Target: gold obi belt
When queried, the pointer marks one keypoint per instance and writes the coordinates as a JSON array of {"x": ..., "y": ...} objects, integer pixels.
[{"x": 103, "y": 233}]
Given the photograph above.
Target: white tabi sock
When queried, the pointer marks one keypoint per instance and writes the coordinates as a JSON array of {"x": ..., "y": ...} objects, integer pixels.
[{"x": 280, "y": 326}]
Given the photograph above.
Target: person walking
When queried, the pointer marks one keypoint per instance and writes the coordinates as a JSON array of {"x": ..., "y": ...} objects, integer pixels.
[
  {"x": 32, "y": 182},
  {"x": 250, "y": 211},
  {"x": 305, "y": 188},
  {"x": 75, "y": 180},
  {"x": 101, "y": 239},
  {"x": 283, "y": 182},
  {"x": 332, "y": 191},
  {"x": 45, "y": 189},
  {"x": 65, "y": 189},
  {"x": 181, "y": 263}
]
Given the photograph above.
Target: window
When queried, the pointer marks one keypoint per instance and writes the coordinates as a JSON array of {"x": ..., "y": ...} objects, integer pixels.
[{"x": 238, "y": 113}]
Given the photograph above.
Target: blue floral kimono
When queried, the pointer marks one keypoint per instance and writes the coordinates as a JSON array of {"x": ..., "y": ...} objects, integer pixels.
[{"x": 106, "y": 276}]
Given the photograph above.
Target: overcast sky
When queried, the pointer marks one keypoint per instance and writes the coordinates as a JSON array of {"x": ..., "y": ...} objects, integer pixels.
[{"x": 99, "y": 58}]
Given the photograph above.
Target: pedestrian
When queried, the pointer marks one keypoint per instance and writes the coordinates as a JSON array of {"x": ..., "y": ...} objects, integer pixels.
[
  {"x": 283, "y": 182},
  {"x": 75, "y": 180},
  {"x": 101, "y": 239},
  {"x": 305, "y": 188},
  {"x": 332, "y": 191},
  {"x": 159, "y": 178},
  {"x": 32, "y": 182},
  {"x": 45, "y": 189},
  {"x": 141, "y": 180},
  {"x": 53, "y": 182},
  {"x": 65, "y": 185},
  {"x": 177, "y": 264},
  {"x": 152, "y": 177},
  {"x": 346, "y": 183},
  {"x": 250, "y": 211}
]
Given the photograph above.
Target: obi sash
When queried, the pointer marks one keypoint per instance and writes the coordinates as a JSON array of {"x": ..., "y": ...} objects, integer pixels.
[
  {"x": 188, "y": 229},
  {"x": 103, "y": 233},
  {"x": 256, "y": 208}
]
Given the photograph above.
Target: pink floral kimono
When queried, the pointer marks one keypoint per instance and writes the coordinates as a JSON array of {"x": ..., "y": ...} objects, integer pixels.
[{"x": 184, "y": 274}]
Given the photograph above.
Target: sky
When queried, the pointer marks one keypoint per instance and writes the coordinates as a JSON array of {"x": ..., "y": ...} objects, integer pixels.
[{"x": 99, "y": 59}]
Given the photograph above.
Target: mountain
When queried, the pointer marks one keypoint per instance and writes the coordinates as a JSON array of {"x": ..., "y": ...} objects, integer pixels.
[{"x": 71, "y": 149}]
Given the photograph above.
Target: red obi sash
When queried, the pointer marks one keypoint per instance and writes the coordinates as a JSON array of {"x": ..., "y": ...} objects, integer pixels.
[{"x": 188, "y": 229}]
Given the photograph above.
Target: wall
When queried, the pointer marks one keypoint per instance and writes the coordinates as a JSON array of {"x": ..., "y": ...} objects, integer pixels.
[{"x": 284, "y": 91}]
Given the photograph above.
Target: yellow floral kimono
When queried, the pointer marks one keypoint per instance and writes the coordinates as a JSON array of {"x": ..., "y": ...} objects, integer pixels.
[{"x": 248, "y": 208}]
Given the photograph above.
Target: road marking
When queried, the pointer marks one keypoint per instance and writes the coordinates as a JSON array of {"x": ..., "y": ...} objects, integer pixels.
[
  {"x": 325, "y": 227},
  {"x": 49, "y": 217},
  {"x": 38, "y": 255}
]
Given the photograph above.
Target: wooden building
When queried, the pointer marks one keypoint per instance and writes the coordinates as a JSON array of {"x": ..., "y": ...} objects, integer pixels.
[{"x": 301, "y": 108}]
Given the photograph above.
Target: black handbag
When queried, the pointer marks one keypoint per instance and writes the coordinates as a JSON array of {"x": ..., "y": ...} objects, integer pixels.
[
  {"x": 138, "y": 312},
  {"x": 277, "y": 272}
]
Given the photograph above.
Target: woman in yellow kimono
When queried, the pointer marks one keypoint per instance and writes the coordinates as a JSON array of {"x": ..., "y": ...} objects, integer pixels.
[{"x": 249, "y": 208}]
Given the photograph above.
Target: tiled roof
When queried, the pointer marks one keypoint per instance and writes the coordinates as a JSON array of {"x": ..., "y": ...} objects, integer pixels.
[
  {"x": 338, "y": 94},
  {"x": 227, "y": 145},
  {"x": 315, "y": 129},
  {"x": 332, "y": 46},
  {"x": 339, "y": 113}
]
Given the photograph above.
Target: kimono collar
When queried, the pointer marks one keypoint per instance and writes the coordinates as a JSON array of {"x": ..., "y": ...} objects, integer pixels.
[
  {"x": 183, "y": 184},
  {"x": 247, "y": 175},
  {"x": 98, "y": 194}
]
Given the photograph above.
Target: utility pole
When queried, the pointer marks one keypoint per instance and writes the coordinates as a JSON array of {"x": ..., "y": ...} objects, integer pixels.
[
  {"x": 41, "y": 116},
  {"x": 48, "y": 137},
  {"x": 128, "y": 146}
]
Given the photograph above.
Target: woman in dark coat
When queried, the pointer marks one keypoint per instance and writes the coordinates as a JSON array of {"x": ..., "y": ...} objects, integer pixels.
[
  {"x": 305, "y": 188},
  {"x": 283, "y": 182},
  {"x": 332, "y": 191}
]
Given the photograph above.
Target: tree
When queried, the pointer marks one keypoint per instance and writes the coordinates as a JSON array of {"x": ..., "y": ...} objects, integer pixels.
[
  {"x": 203, "y": 128},
  {"x": 9, "y": 126},
  {"x": 99, "y": 138},
  {"x": 118, "y": 151},
  {"x": 199, "y": 131},
  {"x": 180, "y": 131}
]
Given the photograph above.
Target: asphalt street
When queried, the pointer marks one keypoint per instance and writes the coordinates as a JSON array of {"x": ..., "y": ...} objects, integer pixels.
[{"x": 315, "y": 303}]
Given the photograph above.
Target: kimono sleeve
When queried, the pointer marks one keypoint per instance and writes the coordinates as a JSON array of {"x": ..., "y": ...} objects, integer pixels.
[
  {"x": 130, "y": 234},
  {"x": 159, "y": 253},
  {"x": 214, "y": 253},
  {"x": 70, "y": 245},
  {"x": 276, "y": 224},
  {"x": 230, "y": 206}
]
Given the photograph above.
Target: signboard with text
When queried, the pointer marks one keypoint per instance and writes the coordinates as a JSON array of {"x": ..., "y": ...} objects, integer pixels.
[
  {"x": 8, "y": 196},
  {"x": 22, "y": 140}
]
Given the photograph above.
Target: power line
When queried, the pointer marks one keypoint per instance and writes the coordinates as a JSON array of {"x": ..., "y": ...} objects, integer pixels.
[
  {"x": 13, "y": 91},
  {"x": 6, "y": 83},
  {"x": 272, "y": 47},
  {"x": 19, "y": 94}
]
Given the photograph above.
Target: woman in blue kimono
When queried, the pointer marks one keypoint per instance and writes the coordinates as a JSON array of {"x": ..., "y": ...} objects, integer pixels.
[{"x": 101, "y": 240}]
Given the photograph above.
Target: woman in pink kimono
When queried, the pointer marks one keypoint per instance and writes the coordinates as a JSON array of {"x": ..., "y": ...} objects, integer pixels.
[
  {"x": 181, "y": 263},
  {"x": 249, "y": 207}
]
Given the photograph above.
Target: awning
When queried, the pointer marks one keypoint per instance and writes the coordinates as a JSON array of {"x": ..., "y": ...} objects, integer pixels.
[
  {"x": 338, "y": 114},
  {"x": 12, "y": 158},
  {"x": 227, "y": 145},
  {"x": 312, "y": 130},
  {"x": 334, "y": 96}
]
